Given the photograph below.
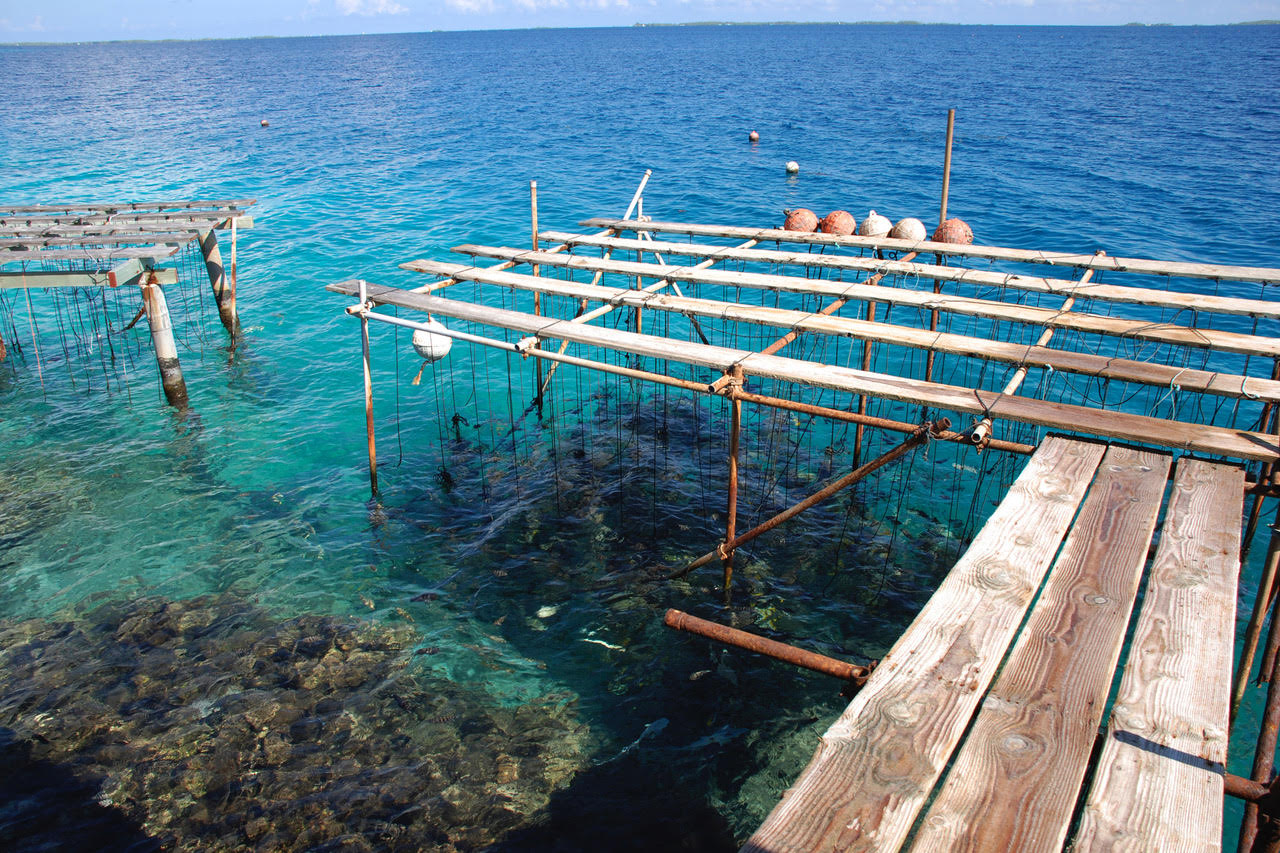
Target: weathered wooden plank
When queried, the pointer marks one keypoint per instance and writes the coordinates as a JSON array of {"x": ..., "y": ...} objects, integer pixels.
[
  {"x": 123, "y": 274},
  {"x": 875, "y": 766},
  {"x": 94, "y": 255},
  {"x": 1223, "y": 384},
  {"x": 1158, "y": 785},
  {"x": 111, "y": 207},
  {"x": 1143, "y": 266},
  {"x": 1239, "y": 444},
  {"x": 1015, "y": 780},
  {"x": 969, "y": 306},
  {"x": 90, "y": 233},
  {"x": 121, "y": 221},
  {"x": 82, "y": 239},
  {"x": 1172, "y": 299}
]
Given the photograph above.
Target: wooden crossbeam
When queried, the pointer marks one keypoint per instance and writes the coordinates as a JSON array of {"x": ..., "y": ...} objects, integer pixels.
[
  {"x": 111, "y": 207},
  {"x": 992, "y": 309},
  {"x": 95, "y": 255},
  {"x": 124, "y": 218},
  {"x": 1103, "y": 292},
  {"x": 1222, "y": 441},
  {"x": 114, "y": 238},
  {"x": 127, "y": 228},
  {"x": 127, "y": 273},
  {"x": 1143, "y": 266},
  {"x": 1203, "y": 381}
]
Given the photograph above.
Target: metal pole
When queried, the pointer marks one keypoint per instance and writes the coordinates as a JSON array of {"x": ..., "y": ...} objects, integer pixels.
[
  {"x": 175, "y": 388},
  {"x": 946, "y": 165},
  {"x": 731, "y": 524},
  {"x": 1261, "y": 602},
  {"x": 368, "y": 388},
  {"x": 537, "y": 297},
  {"x": 681, "y": 621}
]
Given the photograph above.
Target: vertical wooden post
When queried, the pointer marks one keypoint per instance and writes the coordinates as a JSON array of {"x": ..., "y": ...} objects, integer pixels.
[
  {"x": 224, "y": 292},
  {"x": 946, "y": 165},
  {"x": 368, "y": 390},
  {"x": 537, "y": 297},
  {"x": 735, "y": 429},
  {"x": 175, "y": 388}
]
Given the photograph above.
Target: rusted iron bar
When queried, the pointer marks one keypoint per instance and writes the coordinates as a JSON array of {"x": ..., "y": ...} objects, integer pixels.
[
  {"x": 1257, "y": 826},
  {"x": 1268, "y": 422},
  {"x": 1261, "y": 603},
  {"x": 731, "y": 523},
  {"x": 368, "y": 389},
  {"x": 921, "y": 434},
  {"x": 681, "y": 621}
]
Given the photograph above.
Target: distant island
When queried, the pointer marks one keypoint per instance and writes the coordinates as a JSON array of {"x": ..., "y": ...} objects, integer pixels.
[{"x": 1262, "y": 23}]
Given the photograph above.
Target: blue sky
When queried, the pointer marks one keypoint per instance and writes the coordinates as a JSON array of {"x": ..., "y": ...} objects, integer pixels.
[{"x": 82, "y": 20}]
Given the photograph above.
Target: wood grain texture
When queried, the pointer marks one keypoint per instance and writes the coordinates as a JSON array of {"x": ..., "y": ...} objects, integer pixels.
[
  {"x": 112, "y": 207},
  {"x": 1239, "y": 444},
  {"x": 1143, "y": 266},
  {"x": 1189, "y": 379},
  {"x": 1158, "y": 786},
  {"x": 91, "y": 254},
  {"x": 876, "y": 765},
  {"x": 1173, "y": 299},
  {"x": 1014, "y": 782},
  {"x": 1168, "y": 333}
]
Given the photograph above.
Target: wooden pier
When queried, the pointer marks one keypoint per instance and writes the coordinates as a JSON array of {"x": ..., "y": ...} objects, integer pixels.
[
  {"x": 125, "y": 244},
  {"x": 1145, "y": 393}
]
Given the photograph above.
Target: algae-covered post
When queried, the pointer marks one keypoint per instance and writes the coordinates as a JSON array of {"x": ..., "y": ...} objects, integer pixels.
[
  {"x": 224, "y": 290},
  {"x": 175, "y": 388}
]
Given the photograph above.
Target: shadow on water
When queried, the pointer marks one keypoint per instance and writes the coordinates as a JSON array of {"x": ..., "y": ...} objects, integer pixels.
[{"x": 45, "y": 805}]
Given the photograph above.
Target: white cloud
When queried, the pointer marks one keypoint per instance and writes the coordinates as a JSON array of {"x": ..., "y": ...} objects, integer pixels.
[
  {"x": 370, "y": 7},
  {"x": 536, "y": 5},
  {"x": 472, "y": 6}
]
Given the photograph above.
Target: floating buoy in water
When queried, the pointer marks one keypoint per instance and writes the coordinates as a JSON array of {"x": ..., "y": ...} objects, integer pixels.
[
  {"x": 265, "y": 123},
  {"x": 909, "y": 229},
  {"x": 429, "y": 343},
  {"x": 874, "y": 225},
  {"x": 753, "y": 136},
  {"x": 792, "y": 167},
  {"x": 800, "y": 219},
  {"x": 838, "y": 222},
  {"x": 954, "y": 231}
]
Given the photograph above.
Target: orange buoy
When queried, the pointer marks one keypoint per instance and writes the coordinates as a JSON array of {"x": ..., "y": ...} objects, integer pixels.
[
  {"x": 800, "y": 219},
  {"x": 754, "y": 137},
  {"x": 954, "y": 231},
  {"x": 838, "y": 222}
]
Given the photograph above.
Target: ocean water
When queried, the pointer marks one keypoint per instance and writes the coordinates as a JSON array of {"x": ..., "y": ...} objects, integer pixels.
[{"x": 214, "y": 638}]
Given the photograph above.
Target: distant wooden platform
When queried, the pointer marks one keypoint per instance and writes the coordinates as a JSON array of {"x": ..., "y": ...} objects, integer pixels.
[{"x": 1030, "y": 694}]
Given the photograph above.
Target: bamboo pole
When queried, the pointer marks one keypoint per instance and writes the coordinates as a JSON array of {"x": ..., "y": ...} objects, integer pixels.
[
  {"x": 681, "y": 621},
  {"x": 224, "y": 292},
  {"x": 175, "y": 388},
  {"x": 537, "y": 297},
  {"x": 368, "y": 388},
  {"x": 921, "y": 434},
  {"x": 946, "y": 165}
]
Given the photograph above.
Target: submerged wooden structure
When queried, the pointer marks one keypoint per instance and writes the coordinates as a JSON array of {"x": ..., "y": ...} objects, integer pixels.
[
  {"x": 1145, "y": 394},
  {"x": 125, "y": 244}
]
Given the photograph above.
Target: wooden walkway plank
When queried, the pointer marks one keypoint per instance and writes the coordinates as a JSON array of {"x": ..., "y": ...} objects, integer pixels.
[
  {"x": 112, "y": 207},
  {"x": 993, "y": 309},
  {"x": 1224, "y": 441},
  {"x": 1016, "y": 779},
  {"x": 876, "y": 765},
  {"x": 1189, "y": 379},
  {"x": 1142, "y": 266},
  {"x": 1158, "y": 786},
  {"x": 1172, "y": 299}
]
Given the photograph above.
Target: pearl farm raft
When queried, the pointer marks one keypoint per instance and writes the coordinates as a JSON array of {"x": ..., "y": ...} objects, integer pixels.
[{"x": 1136, "y": 402}]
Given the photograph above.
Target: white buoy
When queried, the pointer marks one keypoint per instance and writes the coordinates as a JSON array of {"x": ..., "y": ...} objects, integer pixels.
[
  {"x": 874, "y": 225},
  {"x": 792, "y": 167},
  {"x": 265, "y": 123},
  {"x": 909, "y": 229},
  {"x": 430, "y": 344}
]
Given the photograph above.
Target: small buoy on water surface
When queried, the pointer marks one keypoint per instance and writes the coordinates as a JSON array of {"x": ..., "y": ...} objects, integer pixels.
[
  {"x": 908, "y": 229},
  {"x": 838, "y": 222},
  {"x": 800, "y": 219},
  {"x": 792, "y": 167},
  {"x": 430, "y": 343},
  {"x": 753, "y": 136},
  {"x": 265, "y": 123},
  {"x": 954, "y": 231},
  {"x": 874, "y": 225}
]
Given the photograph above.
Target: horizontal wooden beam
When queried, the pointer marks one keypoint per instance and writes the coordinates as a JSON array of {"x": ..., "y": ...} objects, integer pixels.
[
  {"x": 115, "y": 238},
  {"x": 90, "y": 233},
  {"x": 1238, "y": 444},
  {"x": 112, "y": 207},
  {"x": 1202, "y": 381},
  {"x": 121, "y": 221},
  {"x": 1172, "y": 299},
  {"x": 96, "y": 255},
  {"x": 926, "y": 300},
  {"x": 1143, "y": 266},
  {"x": 123, "y": 274}
]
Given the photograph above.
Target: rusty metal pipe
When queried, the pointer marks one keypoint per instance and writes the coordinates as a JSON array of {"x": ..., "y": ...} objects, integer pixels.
[
  {"x": 1263, "y": 760},
  {"x": 1261, "y": 601},
  {"x": 681, "y": 621},
  {"x": 731, "y": 523},
  {"x": 918, "y": 437}
]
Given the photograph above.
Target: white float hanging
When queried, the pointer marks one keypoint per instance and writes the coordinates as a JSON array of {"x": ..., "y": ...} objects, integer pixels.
[{"x": 432, "y": 343}]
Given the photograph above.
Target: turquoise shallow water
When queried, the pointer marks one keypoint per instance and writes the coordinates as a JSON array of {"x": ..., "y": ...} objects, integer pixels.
[{"x": 519, "y": 593}]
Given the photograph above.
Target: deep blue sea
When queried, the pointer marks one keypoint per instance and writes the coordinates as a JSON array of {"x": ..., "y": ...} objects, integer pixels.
[{"x": 212, "y": 637}]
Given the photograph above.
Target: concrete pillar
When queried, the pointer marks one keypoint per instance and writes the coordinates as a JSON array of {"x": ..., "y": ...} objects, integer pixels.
[
  {"x": 224, "y": 289},
  {"x": 175, "y": 388}
]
